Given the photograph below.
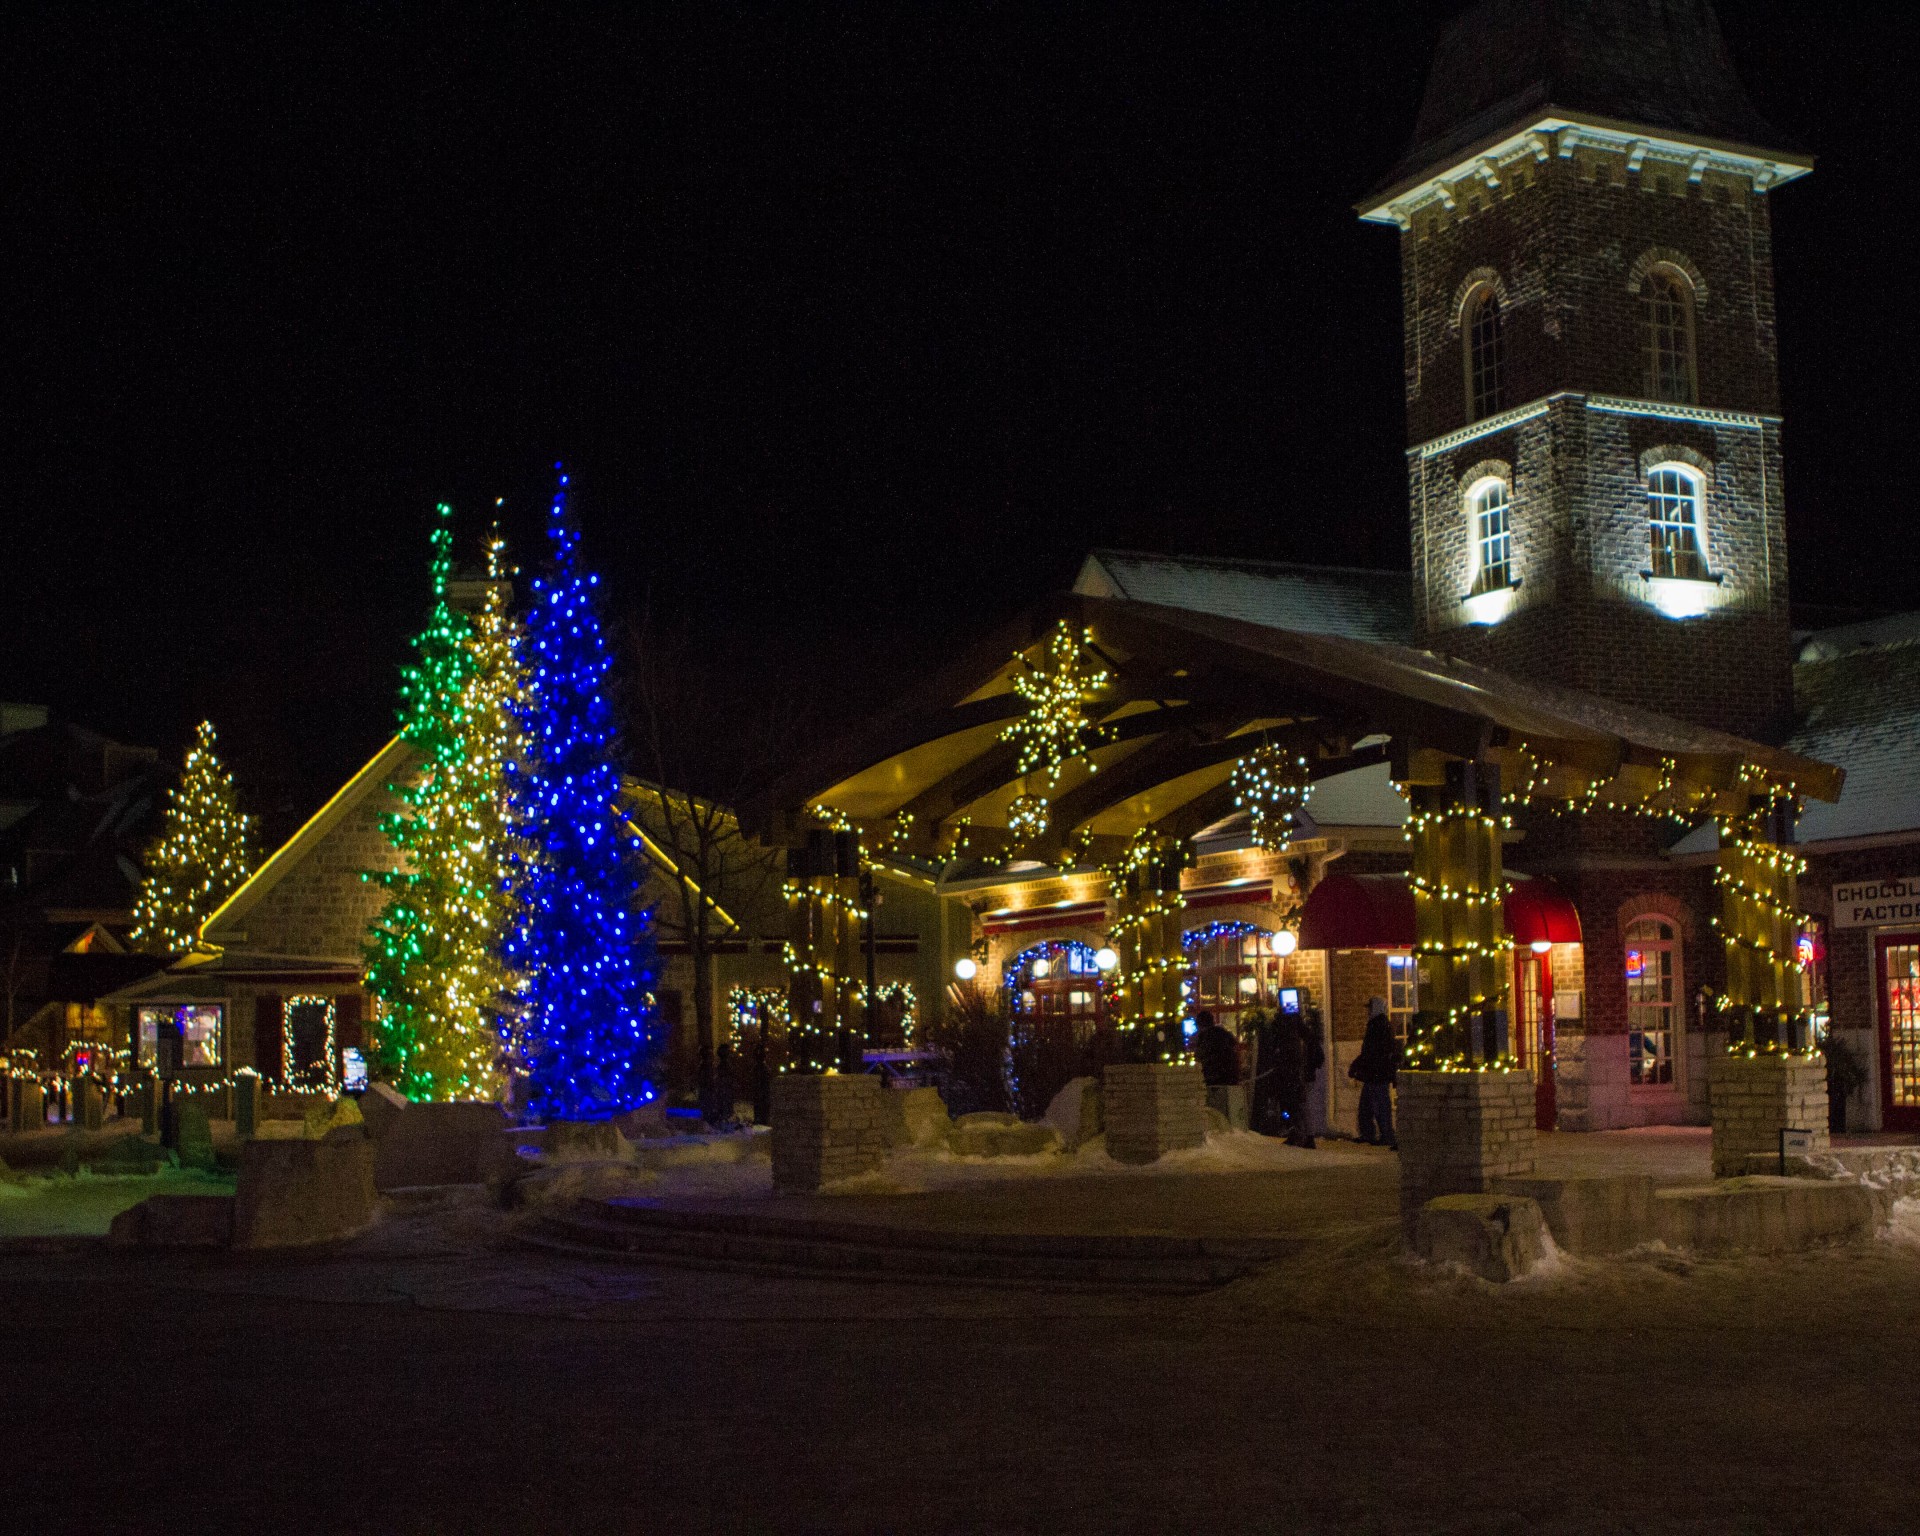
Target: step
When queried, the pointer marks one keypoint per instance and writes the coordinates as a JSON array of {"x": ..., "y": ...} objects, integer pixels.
[{"x": 867, "y": 1251}]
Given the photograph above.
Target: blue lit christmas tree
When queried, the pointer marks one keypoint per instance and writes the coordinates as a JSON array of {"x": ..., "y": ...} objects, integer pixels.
[{"x": 581, "y": 945}]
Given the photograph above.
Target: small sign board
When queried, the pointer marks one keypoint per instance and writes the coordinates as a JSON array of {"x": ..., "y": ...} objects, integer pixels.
[
  {"x": 1868, "y": 903},
  {"x": 1794, "y": 1143}
]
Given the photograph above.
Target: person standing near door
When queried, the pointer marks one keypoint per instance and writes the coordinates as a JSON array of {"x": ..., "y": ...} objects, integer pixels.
[{"x": 1375, "y": 1069}]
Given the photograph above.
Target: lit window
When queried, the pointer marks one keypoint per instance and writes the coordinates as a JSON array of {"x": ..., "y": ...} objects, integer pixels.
[
  {"x": 1666, "y": 299},
  {"x": 1057, "y": 980},
  {"x": 1486, "y": 353},
  {"x": 199, "y": 1033},
  {"x": 1492, "y": 536},
  {"x": 1673, "y": 522},
  {"x": 1232, "y": 967},
  {"x": 1403, "y": 993},
  {"x": 1653, "y": 992}
]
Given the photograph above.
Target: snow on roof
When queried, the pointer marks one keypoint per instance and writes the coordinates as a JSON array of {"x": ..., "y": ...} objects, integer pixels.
[
  {"x": 1857, "y": 692},
  {"x": 1363, "y": 797},
  {"x": 1309, "y": 599}
]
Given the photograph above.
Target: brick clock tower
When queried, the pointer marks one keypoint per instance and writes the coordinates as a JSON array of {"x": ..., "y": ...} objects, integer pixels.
[
  {"x": 1593, "y": 427},
  {"x": 1591, "y": 366}
]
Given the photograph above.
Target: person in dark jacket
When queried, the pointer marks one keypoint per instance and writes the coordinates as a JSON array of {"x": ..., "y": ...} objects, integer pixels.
[
  {"x": 1375, "y": 1069},
  {"x": 1288, "y": 1067},
  {"x": 1217, "y": 1052}
]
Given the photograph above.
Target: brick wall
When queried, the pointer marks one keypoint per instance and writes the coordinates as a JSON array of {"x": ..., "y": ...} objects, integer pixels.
[{"x": 1565, "y": 244}]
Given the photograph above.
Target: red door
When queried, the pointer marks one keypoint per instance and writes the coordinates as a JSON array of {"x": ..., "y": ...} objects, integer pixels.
[
  {"x": 1897, "y": 972},
  {"x": 1533, "y": 1039}
]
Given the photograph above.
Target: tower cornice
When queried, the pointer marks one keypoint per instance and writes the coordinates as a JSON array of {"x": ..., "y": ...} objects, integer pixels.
[{"x": 1559, "y": 134}]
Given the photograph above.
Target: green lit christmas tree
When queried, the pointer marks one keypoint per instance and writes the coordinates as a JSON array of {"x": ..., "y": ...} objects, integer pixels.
[
  {"x": 433, "y": 955},
  {"x": 204, "y": 853}
]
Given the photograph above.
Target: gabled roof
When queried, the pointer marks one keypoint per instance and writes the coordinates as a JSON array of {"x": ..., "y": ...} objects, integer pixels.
[
  {"x": 1857, "y": 691},
  {"x": 1660, "y": 65},
  {"x": 1307, "y": 599},
  {"x": 382, "y": 769}
]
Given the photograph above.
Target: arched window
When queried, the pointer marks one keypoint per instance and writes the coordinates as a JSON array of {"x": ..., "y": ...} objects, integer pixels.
[
  {"x": 1486, "y": 352},
  {"x": 1492, "y": 534},
  {"x": 1666, "y": 300},
  {"x": 1234, "y": 966},
  {"x": 1674, "y": 524},
  {"x": 1057, "y": 980},
  {"x": 1653, "y": 1001}
]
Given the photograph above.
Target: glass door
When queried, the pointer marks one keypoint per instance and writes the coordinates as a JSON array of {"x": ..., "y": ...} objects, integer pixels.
[
  {"x": 1898, "y": 956},
  {"x": 1533, "y": 1032}
]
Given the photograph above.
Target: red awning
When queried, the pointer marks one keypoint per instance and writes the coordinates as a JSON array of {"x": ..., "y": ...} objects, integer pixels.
[
  {"x": 1358, "y": 912},
  {"x": 1376, "y": 912},
  {"x": 1538, "y": 912}
]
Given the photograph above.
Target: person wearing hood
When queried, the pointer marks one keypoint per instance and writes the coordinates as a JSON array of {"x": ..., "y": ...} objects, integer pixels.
[{"x": 1375, "y": 1069}]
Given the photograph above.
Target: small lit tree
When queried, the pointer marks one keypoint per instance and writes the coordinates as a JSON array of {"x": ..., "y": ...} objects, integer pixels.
[
  {"x": 205, "y": 851},
  {"x": 581, "y": 945}
]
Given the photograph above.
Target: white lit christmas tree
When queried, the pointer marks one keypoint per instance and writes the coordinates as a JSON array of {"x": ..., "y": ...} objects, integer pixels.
[{"x": 204, "y": 853}]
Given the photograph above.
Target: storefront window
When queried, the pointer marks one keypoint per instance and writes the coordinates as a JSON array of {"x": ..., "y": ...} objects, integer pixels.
[
  {"x": 201, "y": 1028},
  {"x": 1810, "y": 952},
  {"x": 1902, "y": 979},
  {"x": 1653, "y": 990},
  {"x": 1234, "y": 966}
]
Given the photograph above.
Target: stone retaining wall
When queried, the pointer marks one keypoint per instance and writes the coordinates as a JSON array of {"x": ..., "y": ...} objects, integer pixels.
[
  {"x": 1152, "y": 1109},
  {"x": 1755, "y": 1098}
]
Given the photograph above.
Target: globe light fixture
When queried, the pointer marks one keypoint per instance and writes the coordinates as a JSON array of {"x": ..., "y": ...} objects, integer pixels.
[
  {"x": 965, "y": 968},
  {"x": 1106, "y": 959},
  {"x": 1540, "y": 946},
  {"x": 1285, "y": 942},
  {"x": 1041, "y": 970}
]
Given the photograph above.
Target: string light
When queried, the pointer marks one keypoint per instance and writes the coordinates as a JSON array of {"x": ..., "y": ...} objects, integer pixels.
[
  {"x": 205, "y": 851},
  {"x": 1272, "y": 787},
  {"x": 584, "y": 1026},
  {"x": 1057, "y": 727},
  {"x": 433, "y": 955}
]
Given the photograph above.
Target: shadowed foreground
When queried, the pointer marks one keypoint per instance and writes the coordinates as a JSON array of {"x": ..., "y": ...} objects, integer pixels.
[{"x": 430, "y": 1380}]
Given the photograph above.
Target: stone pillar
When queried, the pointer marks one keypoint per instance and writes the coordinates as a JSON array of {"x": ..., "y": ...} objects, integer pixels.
[
  {"x": 246, "y": 1104},
  {"x": 1755, "y": 1098},
  {"x": 828, "y": 1127},
  {"x": 89, "y": 1104},
  {"x": 1459, "y": 1131},
  {"x": 1153, "y": 1108},
  {"x": 147, "y": 1094},
  {"x": 29, "y": 1104}
]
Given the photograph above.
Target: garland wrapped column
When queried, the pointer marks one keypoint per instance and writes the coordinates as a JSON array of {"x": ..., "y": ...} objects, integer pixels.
[
  {"x": 823, "y": 953},
  {"x": 1146, "y": 931},
  {"x": 1759, "y": 922},
  {"x": 1460, "y": 923}
]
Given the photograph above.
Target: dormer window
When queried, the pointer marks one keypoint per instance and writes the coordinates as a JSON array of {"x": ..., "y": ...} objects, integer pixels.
[
  {"x": 1675, "y": 524},
  {"x": 1666, "y": 300},
  {"x": 1487, "y": 503},
  {"x": 1486, "y": 353}
]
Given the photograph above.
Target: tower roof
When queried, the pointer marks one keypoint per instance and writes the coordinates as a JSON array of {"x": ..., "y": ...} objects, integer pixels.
[{"x": 1659, "y": 65}]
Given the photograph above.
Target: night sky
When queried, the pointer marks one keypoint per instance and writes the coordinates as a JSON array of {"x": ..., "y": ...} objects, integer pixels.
[{"x": 856, "y": 326}]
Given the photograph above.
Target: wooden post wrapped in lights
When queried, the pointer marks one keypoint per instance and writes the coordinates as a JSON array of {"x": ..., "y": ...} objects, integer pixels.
[
  {"x": 823, "y": 953},
  {"x": 1146, "y": 933},
  {"x": 1760, "y": 923},
  {"x": 1460, "y": 925}
]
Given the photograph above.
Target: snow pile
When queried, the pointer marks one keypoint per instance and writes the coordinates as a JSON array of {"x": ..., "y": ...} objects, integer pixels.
[{"x": 1903, "y": 1227}]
